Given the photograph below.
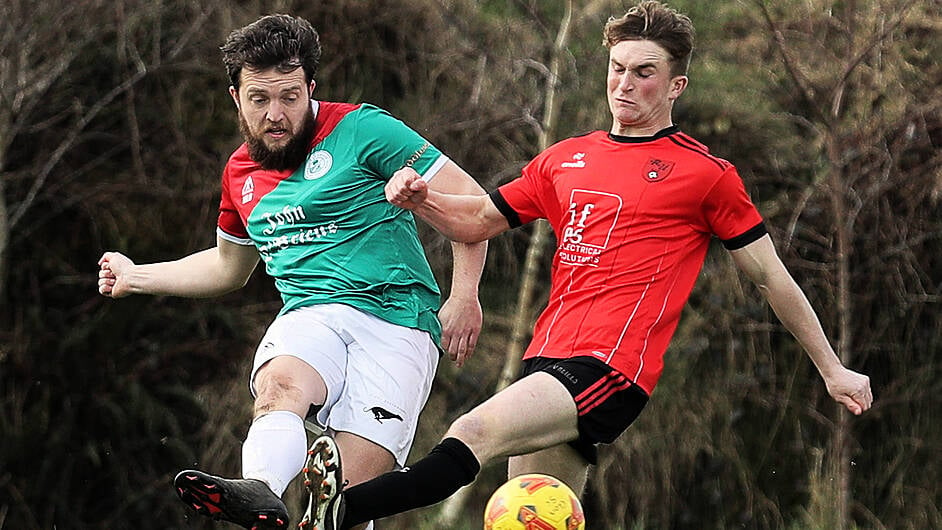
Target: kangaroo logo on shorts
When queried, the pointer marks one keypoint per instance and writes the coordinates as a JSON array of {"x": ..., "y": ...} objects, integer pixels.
[{"x": 380, "y": 414}]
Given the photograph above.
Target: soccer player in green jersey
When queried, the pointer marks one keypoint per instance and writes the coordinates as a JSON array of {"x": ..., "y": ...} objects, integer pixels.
[{"x": 355, "y": 347}]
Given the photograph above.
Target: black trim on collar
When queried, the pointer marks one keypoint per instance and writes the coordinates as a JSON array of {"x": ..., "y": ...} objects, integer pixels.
[{"x": 640, "y": 139}]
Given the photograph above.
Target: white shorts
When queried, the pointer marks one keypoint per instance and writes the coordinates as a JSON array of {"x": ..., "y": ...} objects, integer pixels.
[{"x": 378, "y": 374}]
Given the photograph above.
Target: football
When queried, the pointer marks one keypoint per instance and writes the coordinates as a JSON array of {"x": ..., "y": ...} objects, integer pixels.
[{"x": 534, "y": 502}]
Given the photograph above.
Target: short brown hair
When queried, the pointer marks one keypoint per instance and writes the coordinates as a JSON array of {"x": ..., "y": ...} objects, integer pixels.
[
  {"x": 654, "y": 21},
  {"x": 282, "y": 42}
]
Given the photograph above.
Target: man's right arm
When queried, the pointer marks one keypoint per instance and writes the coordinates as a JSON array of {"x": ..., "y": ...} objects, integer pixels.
[
  {"x": 462, "y": 218},
  {"x": 211, "y": 272}
]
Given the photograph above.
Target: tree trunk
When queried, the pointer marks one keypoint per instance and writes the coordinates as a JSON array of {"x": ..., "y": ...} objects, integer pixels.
[
  {"x": 4, "y": 237},
  {"x": 839, "y": 469},
  {"x": 541, "y": 230},
  {"x": 524, "y": 315}
]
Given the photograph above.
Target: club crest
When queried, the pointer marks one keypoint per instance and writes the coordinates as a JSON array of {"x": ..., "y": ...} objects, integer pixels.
[
  {"x": 657, "y": 170},
  {"x": 318, "y": 164}
]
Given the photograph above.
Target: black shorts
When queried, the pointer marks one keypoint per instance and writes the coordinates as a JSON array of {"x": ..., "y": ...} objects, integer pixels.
[{"x": 607, "y": 401}]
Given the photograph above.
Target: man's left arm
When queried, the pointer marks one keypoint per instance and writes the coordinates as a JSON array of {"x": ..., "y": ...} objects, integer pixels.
[
  {"x": 761, "y": 263},
  {"x": 461, "y": 314}
]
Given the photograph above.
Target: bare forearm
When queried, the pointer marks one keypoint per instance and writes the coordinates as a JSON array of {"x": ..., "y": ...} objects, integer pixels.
[
  {"x": 456, "y": 206},
  {"x": 198, "y": 275},
  {"x": 469, "y": 261},
  {"x": 461, "y": 314},
  {"x": 761, "y": 263},
  {"x": 461, "y": 218},
  {"x": 796, "y": 314},
  {"x": 846, "y": 386}
]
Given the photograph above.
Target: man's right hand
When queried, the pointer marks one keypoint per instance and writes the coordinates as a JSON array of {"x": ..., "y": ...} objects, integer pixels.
[
  {"x": 850, "y": 389},
  {"x": 111, "y": 275},
  {"x": 406, "y": 189}
]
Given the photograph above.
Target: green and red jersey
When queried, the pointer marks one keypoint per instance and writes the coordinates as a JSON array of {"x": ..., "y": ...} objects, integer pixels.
[
  {"x": 325, "y": 230},
  {"x": 633, "y": 219}
]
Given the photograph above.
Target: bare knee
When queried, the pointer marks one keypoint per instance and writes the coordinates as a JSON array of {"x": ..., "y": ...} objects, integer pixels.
[
  {"x": 284, "y": 384},
  {"x": 275, "y": 392},
  {"x": 469, "y": 429},
  {"x": 475, "y": 432}
]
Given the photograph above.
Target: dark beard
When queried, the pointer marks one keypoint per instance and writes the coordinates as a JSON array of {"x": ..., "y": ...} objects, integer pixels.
[{"x": 291, "y": 156}]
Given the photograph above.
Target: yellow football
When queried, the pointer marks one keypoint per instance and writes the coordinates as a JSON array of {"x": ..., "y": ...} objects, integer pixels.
[{"x": 534, "y": 502}]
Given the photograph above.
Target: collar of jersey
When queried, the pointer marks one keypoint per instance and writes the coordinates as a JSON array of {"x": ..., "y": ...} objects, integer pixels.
[{"x": 641, "y": 139}]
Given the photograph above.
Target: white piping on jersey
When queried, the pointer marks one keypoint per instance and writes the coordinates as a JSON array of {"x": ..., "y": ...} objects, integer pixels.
[
  {"x": 436, "y": 166},
  {"x": 244, "y": 241},
  {"x": 549, "y": 328},
  {"x": 647, "y": 336},
  {"x": 631, "y": 317},
  {"x": 624, "y": 330}
]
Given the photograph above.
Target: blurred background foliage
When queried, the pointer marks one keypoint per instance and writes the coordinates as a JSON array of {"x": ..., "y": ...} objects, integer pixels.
[{"x": 115, "y": 123}]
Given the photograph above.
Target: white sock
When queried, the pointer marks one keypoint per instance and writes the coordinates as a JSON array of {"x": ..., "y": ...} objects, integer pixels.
[{"x": 274, "y": 449}]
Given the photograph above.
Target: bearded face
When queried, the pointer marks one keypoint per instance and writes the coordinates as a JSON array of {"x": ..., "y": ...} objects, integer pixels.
[
  {"x": 287, "y": 153},
  {"x": 275, "y": 116}
]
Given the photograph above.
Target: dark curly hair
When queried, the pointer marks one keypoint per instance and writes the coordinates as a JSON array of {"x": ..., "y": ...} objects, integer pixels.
[{"x": 282, "y": 42}]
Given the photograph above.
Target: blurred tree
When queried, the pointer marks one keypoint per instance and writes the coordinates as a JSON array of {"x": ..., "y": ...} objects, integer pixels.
[
  {"x": 115, "y": 123},
  {"x": 90, "y": 400},
  {"x": 844, "y": 68}
]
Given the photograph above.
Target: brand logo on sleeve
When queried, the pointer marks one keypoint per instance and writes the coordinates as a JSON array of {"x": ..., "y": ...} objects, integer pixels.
[
  {"x": 417, "y": 154},
  {"x": 318, "y": 164},
  {"x": 248, "y": 190}
]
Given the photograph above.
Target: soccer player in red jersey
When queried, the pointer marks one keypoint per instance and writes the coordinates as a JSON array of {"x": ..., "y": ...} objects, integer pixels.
[{"x": 633, "y": 210}]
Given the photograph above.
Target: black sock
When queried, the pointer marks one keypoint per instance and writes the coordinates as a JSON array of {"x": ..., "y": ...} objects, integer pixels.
[{"x": 448, "y": 467}]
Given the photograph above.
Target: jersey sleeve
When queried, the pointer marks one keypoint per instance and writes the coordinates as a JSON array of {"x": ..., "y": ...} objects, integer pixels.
[
  {"x": 230, "y": 226},
  {"x": 387, "y": 145},
  {"x": 730, "y": 213},
  {"x": 530, "y": 196}
]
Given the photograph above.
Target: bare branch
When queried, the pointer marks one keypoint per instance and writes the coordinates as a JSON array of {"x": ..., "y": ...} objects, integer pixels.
[
  {"x": 72, "y": 137},
  {"x": 854, "y": 62},
  {"x": 800, "y": 81}
]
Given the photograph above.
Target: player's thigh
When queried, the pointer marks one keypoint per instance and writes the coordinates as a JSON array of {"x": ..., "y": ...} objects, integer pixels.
[
  {"x": 362, "y": 459},
  {"x": 560, "y": 461},
  {"x": 390, "y": 370},
  {"x": 533, "y": 413},
  {"x": 299, "y": 362}
]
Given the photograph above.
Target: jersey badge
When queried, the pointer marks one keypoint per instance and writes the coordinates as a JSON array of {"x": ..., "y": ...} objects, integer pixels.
[
  {"x": 318, "y": 164},
  {"x": 248, "y": 190},
  {"x": 657, "y": 170},
  {"x": 577, "y": 161}
]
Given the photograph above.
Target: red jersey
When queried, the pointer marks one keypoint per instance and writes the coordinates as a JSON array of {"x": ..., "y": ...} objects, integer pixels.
[{"x": 633, "y": 218}]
